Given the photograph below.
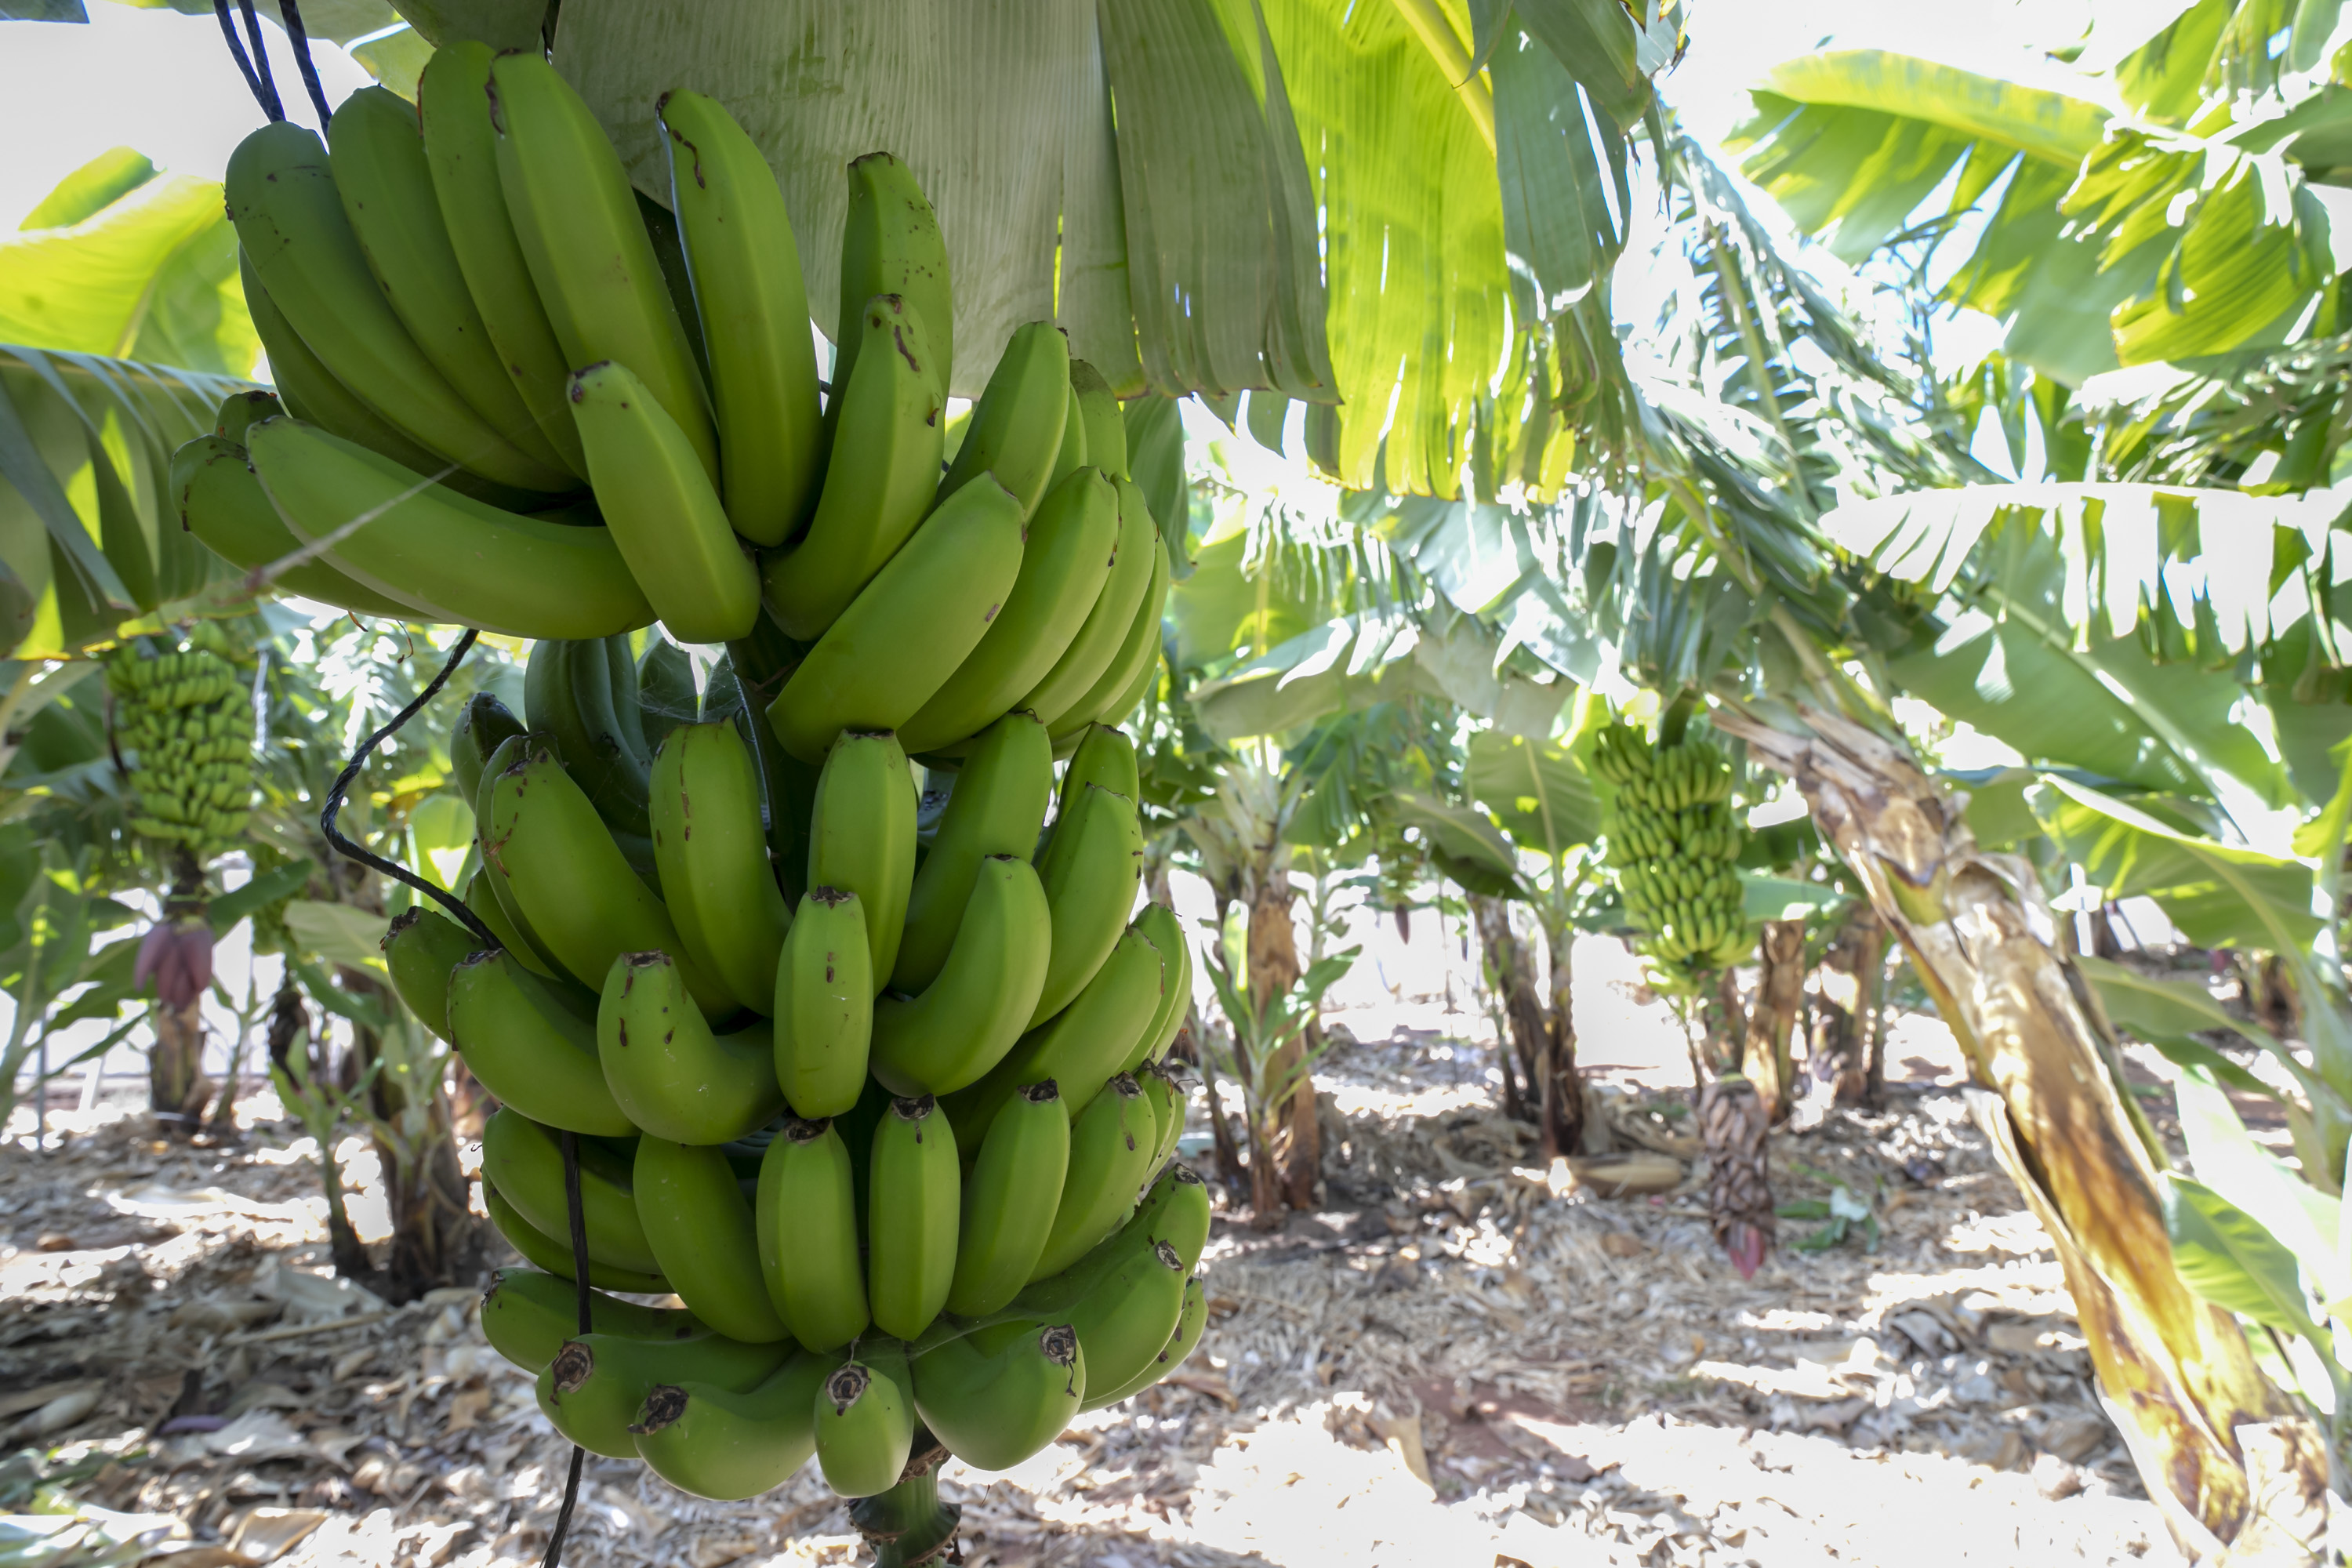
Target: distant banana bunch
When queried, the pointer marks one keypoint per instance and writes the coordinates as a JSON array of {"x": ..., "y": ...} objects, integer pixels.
[
  {"x": 511, "y": 396},
  {"x": 900, "y": 1139},
  {"x": 186, "y": 719},
  {"x": 1672, "y": 842}
]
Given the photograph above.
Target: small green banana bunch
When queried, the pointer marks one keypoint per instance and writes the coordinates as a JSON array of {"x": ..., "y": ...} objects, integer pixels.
[
  {"x": 1673, "y": 842},
  {"x": 900, "y": 1115},
  {"x": 186, "y": 719},
  {"x": 513, "y": 395}
]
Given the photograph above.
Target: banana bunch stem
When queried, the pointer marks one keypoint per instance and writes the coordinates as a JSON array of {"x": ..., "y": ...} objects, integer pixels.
[{"x": 908, "y": 1524}]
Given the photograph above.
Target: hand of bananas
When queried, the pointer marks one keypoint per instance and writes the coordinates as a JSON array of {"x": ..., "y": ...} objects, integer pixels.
[
  {"x": 496, "y": 408},
  {"x": 185, "y": 720},
  {"x": 1673, "y": 842},
  {"x": 888, "y": 1139}
]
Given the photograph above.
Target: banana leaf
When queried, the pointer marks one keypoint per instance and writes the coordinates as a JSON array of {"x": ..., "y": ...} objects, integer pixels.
[
  {"x": 1534, "y": 790},
  {"x": 1462, "y": 840}
]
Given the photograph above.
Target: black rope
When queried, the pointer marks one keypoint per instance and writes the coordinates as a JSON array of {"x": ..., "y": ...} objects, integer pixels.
[
  {"x": 271, "y": 104},
  {"x": 301, "y": 40},
  {"x": 261, "y": 95},
  {"x": 351, "y": 851},
  {"x": 570, "y": 1142}
]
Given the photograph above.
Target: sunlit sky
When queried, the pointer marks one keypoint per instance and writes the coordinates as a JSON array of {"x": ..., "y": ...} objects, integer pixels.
[{"x": 163, "y": 82}]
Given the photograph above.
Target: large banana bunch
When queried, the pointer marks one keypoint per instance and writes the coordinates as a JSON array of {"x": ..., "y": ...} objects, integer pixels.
[
  {"x": 1673, "y": 842},
  {"x": 903, "y": 1148},
  {"x": 493, "y": 411},
  {"x": 185, "y": 719}
]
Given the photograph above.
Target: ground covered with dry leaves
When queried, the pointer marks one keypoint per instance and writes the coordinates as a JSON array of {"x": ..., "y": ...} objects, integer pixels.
[{"x": 1465, "y": 1361}]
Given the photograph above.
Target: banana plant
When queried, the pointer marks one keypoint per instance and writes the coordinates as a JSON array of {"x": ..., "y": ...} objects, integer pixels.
[{"x": 55, "y": 971}]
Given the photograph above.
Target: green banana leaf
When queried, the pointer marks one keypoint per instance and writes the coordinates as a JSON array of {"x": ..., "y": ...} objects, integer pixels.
[
  {"x": 147, "y": 273},
  {"x": 337, "y": 21},
  {"x": 2170, "y": 1013},
  {"x": 1764, "y": 896},
  {"x": 1534, "y": 790},
  {"x": 2105, "y": 245},
  {"x": 1462, "y": 841},
  {"x": 2217, "y": 895},
  {"x": 89, "y": 534},
  {"x": 2226, "y": 1255},
  {"x": 2026, "y": 661}
]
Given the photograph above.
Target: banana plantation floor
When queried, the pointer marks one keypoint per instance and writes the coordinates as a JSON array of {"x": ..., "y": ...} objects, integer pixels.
[{"x": 1461, "y": 1361}]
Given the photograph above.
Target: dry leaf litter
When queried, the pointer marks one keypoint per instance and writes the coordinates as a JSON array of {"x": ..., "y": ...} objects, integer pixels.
[{"x": 1466, "y": 1359}]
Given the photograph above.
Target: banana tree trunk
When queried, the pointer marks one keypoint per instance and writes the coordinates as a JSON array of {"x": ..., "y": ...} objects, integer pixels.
[
  {"x": 1561, "y": 1101},
  {"x": 435, "y": 1239},
  {"x": 1843, "y": 1002},
  {"x": 1293, "y": 1144},
  {"x": 1779, "y": 995},
  {"x": 2239, "y": 1471},
  {"x": 177, "y": 1089},
  {"x": 1541, "y": 1031}
]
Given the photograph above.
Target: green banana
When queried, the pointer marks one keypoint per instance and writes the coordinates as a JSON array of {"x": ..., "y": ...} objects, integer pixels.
[
  {"x": 662, "y": 508},
  {"x": 1111, "y": 1149},
  {"x": 909, "y": 629},
  {"x": 220, "y": 501},
  {"x": 861, "y": 836},
  {"x": 666, "y": 694},
  {"x": 526, "y": 1162},
  {"x": 1176, "y": 1210},
  {"x": 1122, "y": 707},
  {"x": 571, "y": 883},
  {"x": 1017, "y": 424},
  {"x": 1191, "y": 1318},
  {"x": 514, "y": 932},
  {"x": 454, "y": 558},
  {"x": 713, "y": 1442},
  {"x": 1091, "y": 870},
  {"x": 1159, "y": 926},
  {"x": 806, "y": 1213},
  {"x": 890, "y": 244},
  {"x": 527, "y": 1315},
  {"x": 1127, "y": 1319},
  {"x": 1010, "y": 1199},
  {"x": 674, "y": 1076},
  {"x": 309, "y": 392},
  {"x": 461, "y": 152},
  {"x": 701, "y": 1230},
  {"x": 713, "y": 857},
  {"x": 1139, "y": 652},
  {"x": 1161, "y": 1098},
  {"x": 825, "y": 1004},
  {"x": 291, "y": 222},
  {"x": 865, "y": 1424},
  {"x": 1079, "y": 1047},
  {"x": 575, "y": 218},
  {"x": 1108, "y": 620},
  {"x": 1171, "y": 1103},
  {"x": 481, "y": 897},
  {"x": 595, "y": 1387},
  {"x": 420, "y": 951},
  {"x": 997, "y": 807},
  {"x": 1106, "y": 428},
  {"x": 1072, "y": 454},
  {"x": 880, "y": 479},
  {"x": 543, "y": 1251},
  {"x": 1000, "y": 1393},
  {"x": 538, "y": 1055},
  {"x": 376, "y": 152},
  {"x": 1105, "y": 756},
  {"x": 482, "y": 723},
  {"x": 569, "y": 694},
  {"x": 975, "y": 1010},
  {"x": 1064, "y": 567},
  {"x": 241, "y": 410},
  {"x": 915, "y": 1196},
  {"x": 753, "y": 306}
]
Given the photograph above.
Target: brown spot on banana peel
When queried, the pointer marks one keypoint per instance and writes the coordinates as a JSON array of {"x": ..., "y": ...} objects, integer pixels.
[
  {"x": 846, "y": 1386},
  {"x": 1059, "y": 1344},
  {"x": 574, "y": 1363},
  {"x": 664, "y": 1404}
]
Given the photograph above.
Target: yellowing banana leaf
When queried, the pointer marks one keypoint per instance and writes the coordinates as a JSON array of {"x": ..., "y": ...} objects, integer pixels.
[
  {"x": 2217, "y": 895},
  {"x": 1535, "y": 789}
]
